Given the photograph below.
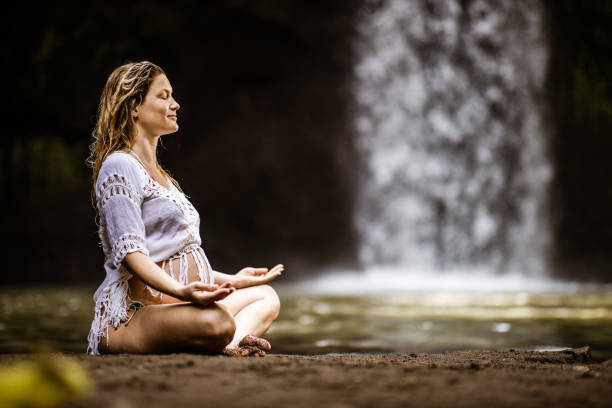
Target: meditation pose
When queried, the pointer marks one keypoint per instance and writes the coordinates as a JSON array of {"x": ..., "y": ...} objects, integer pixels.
[{"x": 160, "y": 294}]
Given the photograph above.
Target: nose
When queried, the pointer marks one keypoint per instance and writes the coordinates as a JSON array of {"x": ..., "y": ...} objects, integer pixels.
[{"x": 175, "y": 105}]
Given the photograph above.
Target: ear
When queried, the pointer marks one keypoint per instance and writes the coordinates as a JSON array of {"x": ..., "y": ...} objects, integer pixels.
[{"x": 135, "y": 112}]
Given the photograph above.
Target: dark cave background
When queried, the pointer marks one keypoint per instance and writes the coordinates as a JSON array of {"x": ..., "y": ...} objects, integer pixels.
[{"x": 265, "y": 148}]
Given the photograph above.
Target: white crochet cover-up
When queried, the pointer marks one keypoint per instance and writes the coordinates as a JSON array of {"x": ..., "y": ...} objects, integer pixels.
[{"x": 139, "y": 214}]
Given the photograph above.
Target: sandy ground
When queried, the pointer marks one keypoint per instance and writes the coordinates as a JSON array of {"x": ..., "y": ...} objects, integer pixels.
[{"x": 471, "y": 378}]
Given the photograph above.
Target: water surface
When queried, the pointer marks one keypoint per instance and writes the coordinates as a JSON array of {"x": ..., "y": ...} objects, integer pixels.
[{"x": 335, "y": 323}]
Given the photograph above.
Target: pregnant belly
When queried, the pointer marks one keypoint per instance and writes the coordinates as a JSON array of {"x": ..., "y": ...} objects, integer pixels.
[{"x": 139, "y": 290}]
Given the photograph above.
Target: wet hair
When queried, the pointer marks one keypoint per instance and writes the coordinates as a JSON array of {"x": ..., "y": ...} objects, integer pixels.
[{"x": 125, "y": 89}]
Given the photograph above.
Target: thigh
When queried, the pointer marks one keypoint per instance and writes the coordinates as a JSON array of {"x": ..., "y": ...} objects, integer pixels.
[
  {"x": 245, "y": 296},
  {"x": 172, "y": 328}
]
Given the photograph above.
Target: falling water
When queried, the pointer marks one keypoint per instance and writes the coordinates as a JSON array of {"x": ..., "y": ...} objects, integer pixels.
[
  {"x": 451, "y": 130},
  {"x": 452, "y": 212}
]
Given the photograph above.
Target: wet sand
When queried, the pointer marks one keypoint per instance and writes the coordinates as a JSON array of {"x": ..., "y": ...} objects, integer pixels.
[{"x": 470, "y": 378}]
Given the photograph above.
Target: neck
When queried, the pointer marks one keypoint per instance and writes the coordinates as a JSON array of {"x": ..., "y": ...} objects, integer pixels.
[{"x": 146, "y": 148}]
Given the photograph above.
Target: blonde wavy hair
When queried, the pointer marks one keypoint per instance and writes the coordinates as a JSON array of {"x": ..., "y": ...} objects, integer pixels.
[{"x": 125, "y": 89}]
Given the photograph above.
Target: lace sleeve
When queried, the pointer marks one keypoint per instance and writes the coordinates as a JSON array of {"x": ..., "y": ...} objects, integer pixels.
[{"x": 119, "y": 200}]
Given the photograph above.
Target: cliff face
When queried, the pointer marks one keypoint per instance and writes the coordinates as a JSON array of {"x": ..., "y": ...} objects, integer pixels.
[
  {"x": 266, "y": 145},
  {"x": 263, "y": 149},
  {"x": 580, "y": 98}
]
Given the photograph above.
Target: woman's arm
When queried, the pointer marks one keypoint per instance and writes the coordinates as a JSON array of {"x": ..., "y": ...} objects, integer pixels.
[
  {"x": 248, "y": 276},
  {"x": 221, "y": 277},
  {"x": 119, "y": 197},
  {"x": 150, "y": 273}
]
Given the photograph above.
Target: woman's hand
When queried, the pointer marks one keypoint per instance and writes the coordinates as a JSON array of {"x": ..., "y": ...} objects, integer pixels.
[
  {"x": 204, "y": 294},
  {"x": 256, "y": 276}
]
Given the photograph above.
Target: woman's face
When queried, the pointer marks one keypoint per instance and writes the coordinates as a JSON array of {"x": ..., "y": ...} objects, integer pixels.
[{"x": 156, "y": 115}]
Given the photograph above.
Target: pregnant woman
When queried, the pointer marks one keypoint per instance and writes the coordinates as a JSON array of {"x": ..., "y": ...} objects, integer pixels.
[{"x": 160, "y": 294}]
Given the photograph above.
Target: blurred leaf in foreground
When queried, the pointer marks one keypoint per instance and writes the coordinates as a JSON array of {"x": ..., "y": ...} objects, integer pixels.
[{"x": 45, "y": 381}]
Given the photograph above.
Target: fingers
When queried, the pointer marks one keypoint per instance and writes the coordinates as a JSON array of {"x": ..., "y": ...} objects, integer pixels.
[
  {"x": 278, "y": 268},
  {"x": 223, "y": 292},
  {"x": 268, "y": 276},
  {"x": 204, "y": 298},
  {"x": 276, "y": 271},
  {"x": 221, "y": 296},
  {"x": 210, "y": 287},
  {"x": 197, "y": 285},
  {"x": 263, "y": 271}
]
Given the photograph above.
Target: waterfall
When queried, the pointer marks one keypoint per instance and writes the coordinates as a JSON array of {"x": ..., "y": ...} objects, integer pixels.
[{"x": 450, "y": 128}]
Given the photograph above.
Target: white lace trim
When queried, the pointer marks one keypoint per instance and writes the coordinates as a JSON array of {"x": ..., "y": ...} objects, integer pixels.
[
  {"x": 126, "y": 244},
  {"x": 205, "y": 271},
  {"x": 114, "y": 297},
  {"x": 113, "y": 300},
  {"x": 116, "y": 184},
  {"x": 113, "y": 185},
  {"x": 174, "y": 195}
]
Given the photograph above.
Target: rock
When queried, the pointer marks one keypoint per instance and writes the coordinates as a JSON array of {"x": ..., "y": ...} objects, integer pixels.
[
  {"x": 582, "y": 354},
  {"x": 581, "y": 369}
]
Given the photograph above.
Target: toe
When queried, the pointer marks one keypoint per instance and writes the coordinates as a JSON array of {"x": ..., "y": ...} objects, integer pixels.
[
  {"x": 232, "y": 352},
  {"x": 248, "y": 340},
  {"x": 251, "y": 340},
  {"x": 265, "y": 344}
]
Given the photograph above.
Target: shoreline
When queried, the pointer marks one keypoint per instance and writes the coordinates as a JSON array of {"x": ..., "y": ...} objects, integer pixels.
[{"x": 464, "y": 378}]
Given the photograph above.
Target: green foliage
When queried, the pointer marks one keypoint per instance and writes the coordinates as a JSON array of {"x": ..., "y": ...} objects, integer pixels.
[
  {"x": 582, "y": 56},
  {"x": 590, "y": 95},
  {"x": 580, "y": 80},
  {"x": 50, "y": 164}
]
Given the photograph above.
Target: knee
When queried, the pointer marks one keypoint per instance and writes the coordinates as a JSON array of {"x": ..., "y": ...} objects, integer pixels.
[
  {"x": 272, "y": 297},
  {"x": 224, "y": 327},
  {"x": 217, "y": 327},
  {"x": 227, "y": 329}
]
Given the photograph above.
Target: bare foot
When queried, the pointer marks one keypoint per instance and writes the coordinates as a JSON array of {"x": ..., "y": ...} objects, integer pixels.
[
  {"x": 243, "y": 351},
  {"x": 250, "y": 345},
  {"x": 250, "y": 340}
]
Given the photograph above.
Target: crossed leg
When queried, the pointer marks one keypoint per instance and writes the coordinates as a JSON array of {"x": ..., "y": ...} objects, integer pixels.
[
  {"x": 254, "y": 309},
  {"x": 171, "y": 328},
  {"x": 233, "y": 323}
]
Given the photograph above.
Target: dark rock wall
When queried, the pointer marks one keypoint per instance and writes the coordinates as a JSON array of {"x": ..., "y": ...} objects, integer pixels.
[
  {"x": 265, "y": 149},
  {"x": 580, "y": 94}
]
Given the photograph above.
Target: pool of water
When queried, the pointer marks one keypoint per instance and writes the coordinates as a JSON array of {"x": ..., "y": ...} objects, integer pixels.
[{"x": 335, "y": 323}]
